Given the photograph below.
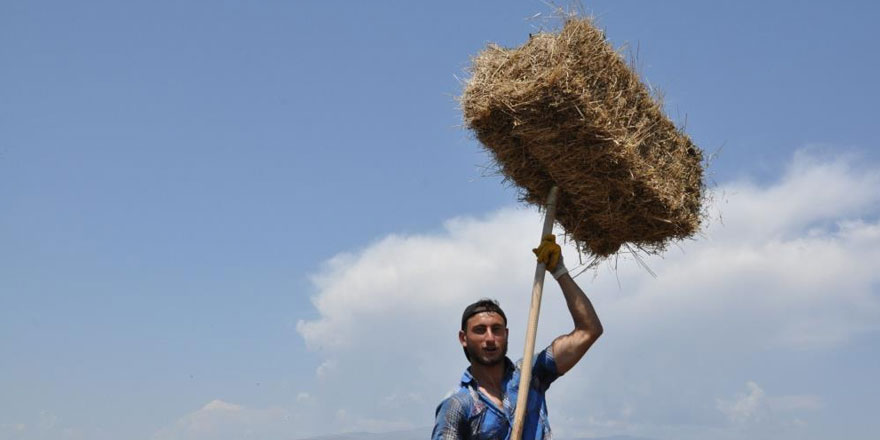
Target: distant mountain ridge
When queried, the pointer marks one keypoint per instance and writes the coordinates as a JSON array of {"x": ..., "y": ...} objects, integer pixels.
[
  {"x": 413, "y": 434},
  {"x": 425, "y": 434}
]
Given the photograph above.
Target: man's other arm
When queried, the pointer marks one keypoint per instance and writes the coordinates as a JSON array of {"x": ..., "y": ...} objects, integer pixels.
[{"x": 450, "y": 423}]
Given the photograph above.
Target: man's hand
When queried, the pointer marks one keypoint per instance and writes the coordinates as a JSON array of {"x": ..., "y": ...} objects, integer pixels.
[{"x": 549, "y": 253}]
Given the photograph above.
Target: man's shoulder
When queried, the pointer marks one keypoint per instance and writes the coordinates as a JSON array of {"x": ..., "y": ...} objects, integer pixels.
[
  {"x": 460, "y": 396},
  {"x": 458, "y": 403},
  {"x": 544, "y": 370},
  {"x": 540, "y": 358}
]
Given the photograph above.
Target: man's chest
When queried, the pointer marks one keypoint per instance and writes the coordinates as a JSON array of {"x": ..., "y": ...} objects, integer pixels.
[
  {"x": 492, "y": 414},
  {"x": 493, "y": 396}
]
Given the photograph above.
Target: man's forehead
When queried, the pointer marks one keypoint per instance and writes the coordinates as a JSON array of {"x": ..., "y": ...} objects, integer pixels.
[{"x": 486, "y": 318}]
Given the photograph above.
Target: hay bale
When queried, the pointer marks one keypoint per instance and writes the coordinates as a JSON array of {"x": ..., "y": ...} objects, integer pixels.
[{"x": 565, "y": 109}]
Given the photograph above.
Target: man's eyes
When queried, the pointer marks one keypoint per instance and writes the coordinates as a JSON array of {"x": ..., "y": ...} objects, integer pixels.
[{"x": 482, "y": 329}]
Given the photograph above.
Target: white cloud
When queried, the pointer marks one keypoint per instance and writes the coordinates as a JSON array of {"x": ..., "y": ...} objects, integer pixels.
[
  {"x": 218, "y": 405},
  {"x": 404, "y": 277},
  {"x": 751, "y": 406},
  {"x": 814, "y": 190},
  {"x": 325, "y": 369},
  {"x": 220, "y": 420},
  {"x": 46, "y": 425},
  {"x": 358, "y": 423},
  {"x": 13, "y": 427},
  {"x": 305, "y": 417},
  {"x": 757, "y": 414}
]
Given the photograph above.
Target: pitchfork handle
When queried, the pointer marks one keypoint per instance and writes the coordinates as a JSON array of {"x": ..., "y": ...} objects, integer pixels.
[{"x": 525, "y": 377}]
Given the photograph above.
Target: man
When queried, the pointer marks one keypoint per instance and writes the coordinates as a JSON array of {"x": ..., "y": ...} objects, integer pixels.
[{"x": 483, "y": 407}]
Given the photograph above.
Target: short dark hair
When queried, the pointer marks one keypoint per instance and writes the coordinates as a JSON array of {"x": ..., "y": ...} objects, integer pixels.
[{"x": 483, "y": 305}]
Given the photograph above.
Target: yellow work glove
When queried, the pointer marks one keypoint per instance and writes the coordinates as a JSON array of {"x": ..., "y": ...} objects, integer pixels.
[{"x": 549, "y": 253}]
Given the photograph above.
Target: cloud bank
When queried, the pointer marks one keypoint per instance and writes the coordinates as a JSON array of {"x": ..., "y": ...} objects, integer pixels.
[{"x": 785, "y": 268}]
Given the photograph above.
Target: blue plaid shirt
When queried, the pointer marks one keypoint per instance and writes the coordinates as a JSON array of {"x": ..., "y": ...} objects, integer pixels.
[{"x": 469, "y": 415}]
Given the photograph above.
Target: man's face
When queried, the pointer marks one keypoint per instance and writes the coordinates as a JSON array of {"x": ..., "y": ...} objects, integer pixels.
[{"x": 485, "y": 338}]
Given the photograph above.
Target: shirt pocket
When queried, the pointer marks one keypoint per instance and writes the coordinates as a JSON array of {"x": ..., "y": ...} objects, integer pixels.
[{"x": 491, "y": 426}]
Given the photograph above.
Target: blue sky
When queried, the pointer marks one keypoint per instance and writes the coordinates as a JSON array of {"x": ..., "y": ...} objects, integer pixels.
[{"x": 228, "y": 214}]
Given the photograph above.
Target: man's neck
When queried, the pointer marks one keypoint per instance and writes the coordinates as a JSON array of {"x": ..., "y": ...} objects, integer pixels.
[{"x": 488, "y": 376}]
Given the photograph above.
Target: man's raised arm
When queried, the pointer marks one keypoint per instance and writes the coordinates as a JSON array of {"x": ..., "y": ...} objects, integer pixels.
[{"x": 568, "y": 349}]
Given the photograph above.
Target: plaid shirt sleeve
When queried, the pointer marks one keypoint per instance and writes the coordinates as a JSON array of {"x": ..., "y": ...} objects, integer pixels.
[
  {"x": 451, "y": 422},
  {"x": 544, "y": 370}
]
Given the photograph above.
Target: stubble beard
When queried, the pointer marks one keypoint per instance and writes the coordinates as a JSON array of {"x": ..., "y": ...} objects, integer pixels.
[{"x": 485, "y": 361}]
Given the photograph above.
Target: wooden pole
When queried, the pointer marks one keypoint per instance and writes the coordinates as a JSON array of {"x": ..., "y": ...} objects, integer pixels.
[{"x": 525, "y": 377}]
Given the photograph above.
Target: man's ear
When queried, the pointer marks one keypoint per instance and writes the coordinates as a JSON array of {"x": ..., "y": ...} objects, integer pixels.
[{"x": 461, "y": 338}]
